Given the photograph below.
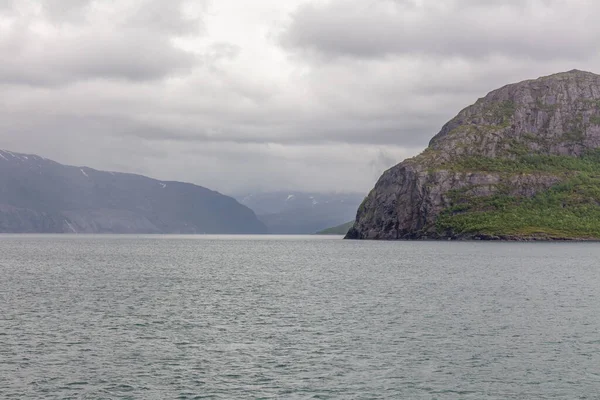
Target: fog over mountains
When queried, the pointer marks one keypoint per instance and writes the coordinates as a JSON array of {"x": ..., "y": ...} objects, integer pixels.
[
  {"x": 295, "y": 212},
  {"x": 40, "y": 195}
]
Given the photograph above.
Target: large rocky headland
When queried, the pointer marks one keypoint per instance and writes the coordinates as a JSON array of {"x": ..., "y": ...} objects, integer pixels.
[{"x": 522, "y": 163}]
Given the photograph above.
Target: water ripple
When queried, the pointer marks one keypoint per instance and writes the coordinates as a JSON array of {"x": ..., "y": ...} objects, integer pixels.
[{"x": 303, "y": 318}]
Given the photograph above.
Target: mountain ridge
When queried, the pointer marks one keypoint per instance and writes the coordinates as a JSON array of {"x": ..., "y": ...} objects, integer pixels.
[{"x": 42, "y": 195}]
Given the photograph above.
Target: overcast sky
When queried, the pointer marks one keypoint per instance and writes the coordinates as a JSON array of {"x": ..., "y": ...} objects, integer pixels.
[{"x": 266, "y": 94}]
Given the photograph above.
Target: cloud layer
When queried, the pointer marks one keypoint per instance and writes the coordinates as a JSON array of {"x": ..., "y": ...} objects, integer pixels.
[
  {"x": 301, "y": 94},
  {"x": 470, "y": 29}
]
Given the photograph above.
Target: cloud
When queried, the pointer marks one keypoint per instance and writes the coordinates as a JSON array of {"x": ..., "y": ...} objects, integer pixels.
[
  {"x": 60, "y": 42},
  {"x": 533, "y": 29},
  {"x": 269, "y": 94}
]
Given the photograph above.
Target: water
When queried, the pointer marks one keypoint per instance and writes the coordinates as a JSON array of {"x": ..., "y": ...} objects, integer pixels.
[{"x": 297, "y": 318}]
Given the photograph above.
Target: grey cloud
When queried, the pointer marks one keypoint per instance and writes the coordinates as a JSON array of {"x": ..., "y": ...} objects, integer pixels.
[
  {"x": 138, "y": 47},
  {"x": 322, "y": 132},
  {"x": 139, "y": 57},
  {"x": 65, "y": 10},
  {"x": 357, "y": 87},
  {"x": 166, "y": 16},
  {"x": 225, "y": 166},
  {"x": 150, "y": 15},
  {"x": 381, "y": 162},
  {"x": 307, "y": 134},
  {"x": 467, "y": 28}
]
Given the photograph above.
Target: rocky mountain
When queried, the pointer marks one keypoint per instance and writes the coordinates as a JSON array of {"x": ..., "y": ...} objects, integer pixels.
[
  {"x": 294, "y": 212},
  {"x": 40, "y": 195},
  {"x": 521, "y": 163}
]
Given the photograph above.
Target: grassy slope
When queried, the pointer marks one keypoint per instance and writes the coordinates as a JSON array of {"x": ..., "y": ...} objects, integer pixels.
[
  {"x": 570, "y": 209},
  {"x": 337, "y": 230}
]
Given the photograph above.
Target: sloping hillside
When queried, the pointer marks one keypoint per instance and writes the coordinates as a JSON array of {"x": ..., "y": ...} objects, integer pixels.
[{"x": 40, "y": 195}]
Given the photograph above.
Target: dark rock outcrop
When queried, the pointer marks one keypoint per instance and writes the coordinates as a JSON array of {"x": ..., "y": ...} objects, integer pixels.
[
  {"x": 477, "y": 156},
  {"x": 42, "y": 196}
]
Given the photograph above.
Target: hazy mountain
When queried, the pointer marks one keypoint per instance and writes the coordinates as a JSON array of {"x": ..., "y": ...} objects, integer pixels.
[
  {"x": 293, "y": 212},
  {"x": 40, "y": 195},
  {"x": 521, "y": 163}
]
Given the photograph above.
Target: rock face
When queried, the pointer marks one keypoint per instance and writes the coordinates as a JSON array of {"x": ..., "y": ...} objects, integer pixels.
[
  {"x": 526, "y": 146},
  {"x": 42, "y": 196}
]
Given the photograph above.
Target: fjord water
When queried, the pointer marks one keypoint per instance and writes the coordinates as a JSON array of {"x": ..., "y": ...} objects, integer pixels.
[{"x": 296, "y": 318}]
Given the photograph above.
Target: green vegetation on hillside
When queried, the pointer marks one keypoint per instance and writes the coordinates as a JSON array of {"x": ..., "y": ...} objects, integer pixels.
[
  {"x": 570, "y": 209},
  {"x": 588, "y": 163},
  {"x": 337, "y": 230}
]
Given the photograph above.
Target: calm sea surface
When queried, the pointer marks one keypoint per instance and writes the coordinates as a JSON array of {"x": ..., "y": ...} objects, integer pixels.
[{"x": 171, "y": 317}]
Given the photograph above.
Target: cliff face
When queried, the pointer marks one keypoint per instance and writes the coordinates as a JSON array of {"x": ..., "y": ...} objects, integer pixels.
[
  {"x": 42, "y": 196},
  {"x": 522, "y": 162}
]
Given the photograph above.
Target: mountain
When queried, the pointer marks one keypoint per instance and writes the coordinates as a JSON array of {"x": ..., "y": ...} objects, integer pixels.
[
  {"x": 337, "y": 230},
  {"x": 522, "y": 163},
  {"x": 294, "y": 212},
  {"x": 40, "y": 195}
]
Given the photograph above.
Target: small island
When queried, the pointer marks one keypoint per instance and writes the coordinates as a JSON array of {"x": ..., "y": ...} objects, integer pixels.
[{"x": 522, "y": 163}]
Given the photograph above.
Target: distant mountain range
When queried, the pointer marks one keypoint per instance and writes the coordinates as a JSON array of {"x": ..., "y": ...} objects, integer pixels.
[
  {"x": 294, "y": 212},
  {"x": 40, "y": 195}
]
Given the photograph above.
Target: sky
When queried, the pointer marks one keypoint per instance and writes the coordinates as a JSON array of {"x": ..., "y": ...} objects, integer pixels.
[{"x": 313, "y": 95}]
